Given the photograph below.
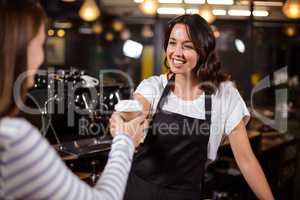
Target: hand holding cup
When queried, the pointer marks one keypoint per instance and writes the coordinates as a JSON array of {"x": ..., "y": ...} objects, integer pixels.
[{"x": 130, "y": 120}]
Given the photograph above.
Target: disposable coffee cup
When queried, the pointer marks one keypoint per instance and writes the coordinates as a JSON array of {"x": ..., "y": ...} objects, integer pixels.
[{"x": 129, "y": 109}]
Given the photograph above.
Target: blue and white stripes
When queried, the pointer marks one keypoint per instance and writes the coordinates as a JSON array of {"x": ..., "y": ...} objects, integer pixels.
[{"x": 31, "y": 169}]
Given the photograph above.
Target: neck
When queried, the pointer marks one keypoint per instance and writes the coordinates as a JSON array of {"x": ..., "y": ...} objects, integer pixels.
[{"x": 187, "y": 86}]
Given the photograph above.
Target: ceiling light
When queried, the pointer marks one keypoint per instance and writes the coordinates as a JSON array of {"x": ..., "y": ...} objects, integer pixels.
[
  {"x": 220, "y": 2},
  {"x": 260, "y": 13},
  {"x": 219, "y": 12},
  {"x": 192, "y": 11},
  {"x": 290, "y": 30},
  {"x": 147, "y": 31},
  {"x": 138, "y": 1},
  {"x": 63, "y": 25},
  {"x": 216, "y": 31},
  {"x": 51, "y": 32},
  {"x": 149, "y": 7},
  {"x": 109, "y": 36},
  {"x": 85, "y": 29},
  {"x": 268, "y": 3},
  {"x": 291, "y": 9},
  {"x": 118, "y": 25},
  {"x": 194, "y": 1},
  {"x": 97, "y": 28},
  {"x": 171, "y": 11},
  {"x": 239, "y": 12},
  {"x": 132, "y": 49},
  {"x": 170, "y": 1},
  {"x": 125, "y": 34},
  {"x": 239, "y": 45},
  {"x": 89, "y": 10},
  {"x": 205, "y": 11},
  {"x": 61, "y": 33},
  {"x": 262, "y": 3}
]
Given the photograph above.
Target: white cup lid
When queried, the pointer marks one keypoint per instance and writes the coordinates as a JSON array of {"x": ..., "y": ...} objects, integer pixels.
[{"x": 128, "y": 106}]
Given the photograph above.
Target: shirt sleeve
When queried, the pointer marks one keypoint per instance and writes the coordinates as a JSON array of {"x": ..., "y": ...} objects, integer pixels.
[
  {"x": 236, "y": 110},
  {"x": 31, "y": 169},
  {"x": 150, "y": 88},
  {"x": 114, "y": 177}
]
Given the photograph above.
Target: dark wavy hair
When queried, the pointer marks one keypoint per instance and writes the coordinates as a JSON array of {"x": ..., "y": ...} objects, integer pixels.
[
  {"x": 208, "y": 66},
  {"x": 20, "y": 22}
]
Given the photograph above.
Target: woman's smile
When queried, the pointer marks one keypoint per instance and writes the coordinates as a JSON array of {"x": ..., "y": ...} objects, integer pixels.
[{"x": 177, "y": 63}]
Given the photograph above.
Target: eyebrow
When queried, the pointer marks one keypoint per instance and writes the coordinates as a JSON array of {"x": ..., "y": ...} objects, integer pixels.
[{"x": 187, "y": 41}]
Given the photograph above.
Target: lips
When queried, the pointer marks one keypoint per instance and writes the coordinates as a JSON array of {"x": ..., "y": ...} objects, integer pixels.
[{"x": 177, "y": 62}]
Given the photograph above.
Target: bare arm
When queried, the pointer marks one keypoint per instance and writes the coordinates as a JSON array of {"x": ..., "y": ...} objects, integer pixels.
[
  {"x": 145, "y": 103},
  {"x": 248, "y": 163}
]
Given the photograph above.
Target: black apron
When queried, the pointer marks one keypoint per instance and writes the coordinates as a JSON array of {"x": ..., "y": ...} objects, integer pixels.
[{"x": 170, "y": 164}]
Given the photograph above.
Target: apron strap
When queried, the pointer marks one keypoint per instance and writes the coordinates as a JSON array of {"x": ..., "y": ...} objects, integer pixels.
[
  {"x": 165, "y": 92},
  {"x": 208, "y": 108}
]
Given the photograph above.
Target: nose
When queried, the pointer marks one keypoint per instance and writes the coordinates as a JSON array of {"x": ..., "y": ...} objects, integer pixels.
[{"x": 178, "y": 50}]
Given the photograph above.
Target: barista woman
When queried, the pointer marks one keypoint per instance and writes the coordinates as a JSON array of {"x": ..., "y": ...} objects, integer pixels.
[{"x": 194, "y": 106}]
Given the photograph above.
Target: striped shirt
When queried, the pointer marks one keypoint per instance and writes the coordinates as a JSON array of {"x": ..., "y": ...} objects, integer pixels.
[{"x": 31, "y": 169}]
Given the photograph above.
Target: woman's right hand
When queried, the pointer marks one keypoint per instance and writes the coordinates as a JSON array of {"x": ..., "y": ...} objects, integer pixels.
[{"x": 134, "y": 128}]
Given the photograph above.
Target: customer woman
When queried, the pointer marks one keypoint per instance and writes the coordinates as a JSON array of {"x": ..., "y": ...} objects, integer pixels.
[
  {"x": 194, "y": 106},
  {"x": 29, "y": 167}
]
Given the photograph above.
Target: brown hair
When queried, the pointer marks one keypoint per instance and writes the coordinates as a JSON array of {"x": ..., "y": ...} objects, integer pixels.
[
  {"x": 208, "y": 66},
  {"x": 20, "y": 22}
]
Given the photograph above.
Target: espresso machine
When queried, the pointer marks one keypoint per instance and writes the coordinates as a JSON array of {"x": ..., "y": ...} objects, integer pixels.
[{"x": 73, "y": 111}]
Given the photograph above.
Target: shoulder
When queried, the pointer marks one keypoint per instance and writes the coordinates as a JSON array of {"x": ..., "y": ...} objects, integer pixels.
[
  {"x": 14, "y": 128},
  {"x": 152, "y": 87},
  {"x": 8, "y": 124},
  {"x": 156, "y": 80},
  {"x": 226, "y": 88},
  {"x": 228, "y": 97},
  {"x": 227, "y": 91},
  {"x": 152, "y": 84}
]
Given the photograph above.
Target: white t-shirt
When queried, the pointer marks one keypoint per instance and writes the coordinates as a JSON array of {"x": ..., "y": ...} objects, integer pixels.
[{"x": 228, "y": 108}]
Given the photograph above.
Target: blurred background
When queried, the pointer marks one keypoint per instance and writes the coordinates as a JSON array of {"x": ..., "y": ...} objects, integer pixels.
[
  {"x": 254, "y": 38},
  {"x": 258, "y": 42}
]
